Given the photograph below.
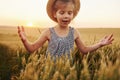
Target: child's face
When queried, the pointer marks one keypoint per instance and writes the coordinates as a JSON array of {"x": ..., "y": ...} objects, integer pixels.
[{"x": 64, "y": 14}]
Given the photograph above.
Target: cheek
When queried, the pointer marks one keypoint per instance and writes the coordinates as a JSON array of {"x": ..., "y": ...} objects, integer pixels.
[
  {"x": 71, "y": 16},
  {"x": 58, "y": 16}
]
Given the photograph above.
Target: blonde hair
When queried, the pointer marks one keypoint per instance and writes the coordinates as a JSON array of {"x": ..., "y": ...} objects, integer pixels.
[{"x": 52, "y": 4}]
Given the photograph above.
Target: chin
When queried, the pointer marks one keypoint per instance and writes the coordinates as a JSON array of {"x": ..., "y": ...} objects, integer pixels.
[{"x": 64, "y": 25}]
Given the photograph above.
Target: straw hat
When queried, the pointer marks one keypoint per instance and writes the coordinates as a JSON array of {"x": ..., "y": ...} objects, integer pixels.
[{"x": 50, "y": 8}]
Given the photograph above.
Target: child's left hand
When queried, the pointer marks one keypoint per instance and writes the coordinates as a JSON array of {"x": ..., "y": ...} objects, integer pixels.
[{"x": 106, "y": 40}]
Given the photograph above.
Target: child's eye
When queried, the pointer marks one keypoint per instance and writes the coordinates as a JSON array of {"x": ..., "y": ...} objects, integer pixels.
[
  {"x": 61, "y": 12},
  {"x": 70, "y": 12}
]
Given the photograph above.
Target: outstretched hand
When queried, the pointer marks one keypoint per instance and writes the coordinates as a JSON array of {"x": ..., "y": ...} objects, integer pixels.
[
  {"x": 21, "y": 33},
  {"x": 106, "y": 40}
]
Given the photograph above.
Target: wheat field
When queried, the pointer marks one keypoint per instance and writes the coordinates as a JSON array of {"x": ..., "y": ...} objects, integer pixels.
[{"x": 17, "y": 64}]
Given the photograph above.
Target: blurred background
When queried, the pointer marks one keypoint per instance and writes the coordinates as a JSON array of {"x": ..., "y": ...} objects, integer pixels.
[{"x": 32, "y": 13}]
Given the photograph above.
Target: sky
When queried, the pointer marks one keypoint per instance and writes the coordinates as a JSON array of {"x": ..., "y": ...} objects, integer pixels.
[{"x": 93, "y": 13}]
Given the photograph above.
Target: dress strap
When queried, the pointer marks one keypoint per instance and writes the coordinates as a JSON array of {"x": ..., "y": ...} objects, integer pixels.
[
  {"x": 53, "y": 34},
  {"x": 51, "y": 30}
]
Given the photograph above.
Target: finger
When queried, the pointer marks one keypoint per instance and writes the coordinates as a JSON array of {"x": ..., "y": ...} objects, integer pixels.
[
  {"x": 105, "y": 36},
  {"x": 110, "y": 37},
  {"x": 18, "y": 29},
  {"x": 22, "y": 28},
  {"x": 111, "y": 40}
]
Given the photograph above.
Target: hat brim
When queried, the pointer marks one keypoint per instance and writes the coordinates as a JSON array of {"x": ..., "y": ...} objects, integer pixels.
[{"x": 50, "y": 10}]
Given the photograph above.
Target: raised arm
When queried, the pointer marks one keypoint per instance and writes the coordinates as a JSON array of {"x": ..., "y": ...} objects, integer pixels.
[
  {"x": 85, "y": 49},
  {"x": 31, "y": 47}
]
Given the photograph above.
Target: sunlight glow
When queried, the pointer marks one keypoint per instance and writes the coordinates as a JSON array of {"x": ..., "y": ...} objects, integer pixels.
[
  {"x": 93, "y": 13},
  {"x": 29, "y": 24}
]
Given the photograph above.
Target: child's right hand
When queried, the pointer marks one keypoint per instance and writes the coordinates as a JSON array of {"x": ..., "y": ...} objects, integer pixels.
[{"x": 21, "y": 33}]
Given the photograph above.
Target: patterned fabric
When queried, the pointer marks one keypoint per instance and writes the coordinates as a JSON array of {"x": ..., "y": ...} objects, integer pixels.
[{"x": 60, "y": 45}]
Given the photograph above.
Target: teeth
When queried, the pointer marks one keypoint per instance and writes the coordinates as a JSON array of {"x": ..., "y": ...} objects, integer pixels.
[{"x": 65, "y": 20}]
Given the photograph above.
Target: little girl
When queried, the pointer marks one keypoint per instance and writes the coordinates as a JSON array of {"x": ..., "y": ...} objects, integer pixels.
[{"x": 61, "y": 37}]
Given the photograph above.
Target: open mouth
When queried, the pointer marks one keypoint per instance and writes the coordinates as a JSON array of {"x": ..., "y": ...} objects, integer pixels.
[{"x": 65, "y": 21}]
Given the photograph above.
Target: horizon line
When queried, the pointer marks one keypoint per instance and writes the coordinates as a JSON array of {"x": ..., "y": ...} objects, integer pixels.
[{"x": 49, "y": 27}]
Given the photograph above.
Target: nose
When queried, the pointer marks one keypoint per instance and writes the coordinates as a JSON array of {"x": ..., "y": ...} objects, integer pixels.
[{"x": 66, "y": 15}]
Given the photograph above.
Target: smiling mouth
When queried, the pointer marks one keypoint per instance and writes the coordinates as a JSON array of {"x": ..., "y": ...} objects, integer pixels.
[{"x": 65, "y": 21}]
